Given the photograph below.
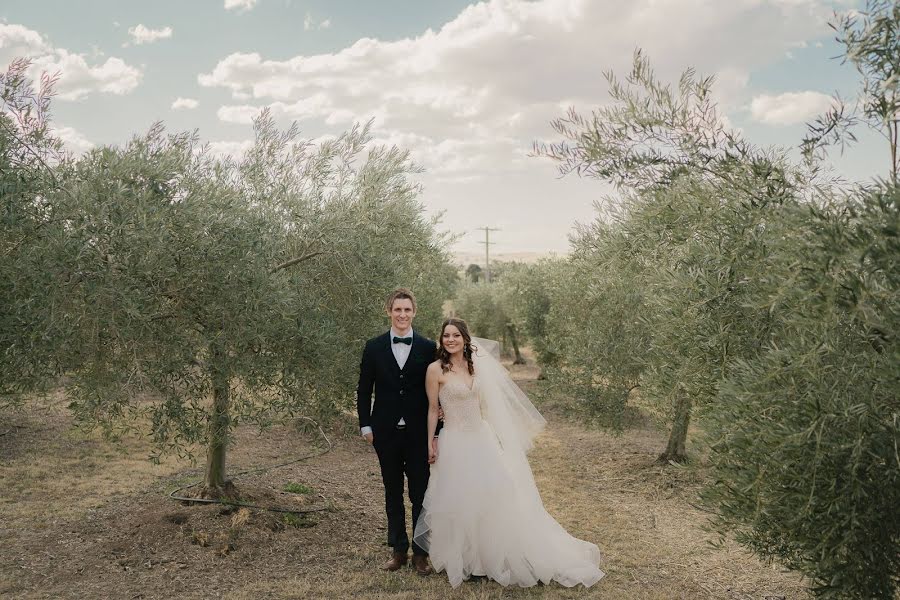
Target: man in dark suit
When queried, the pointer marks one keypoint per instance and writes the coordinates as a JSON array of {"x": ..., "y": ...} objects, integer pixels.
[{"x": 394, "y": 364}]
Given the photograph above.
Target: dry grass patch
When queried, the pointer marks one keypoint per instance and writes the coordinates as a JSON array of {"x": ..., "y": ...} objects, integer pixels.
[
  {"x": 88, "y": 519},
  {"x": 48, "y": 463}
]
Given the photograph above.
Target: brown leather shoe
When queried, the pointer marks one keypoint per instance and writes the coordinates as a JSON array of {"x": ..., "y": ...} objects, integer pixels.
[
  {"x": 398, "y": 559},
  {"x": 421, "y": 565}
]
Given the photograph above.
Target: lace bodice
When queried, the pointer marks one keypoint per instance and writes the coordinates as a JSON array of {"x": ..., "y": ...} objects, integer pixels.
[{"x": 462, "y": 408}]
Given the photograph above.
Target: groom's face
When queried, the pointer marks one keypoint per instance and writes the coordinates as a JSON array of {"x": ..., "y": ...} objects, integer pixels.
[{"x": 402, "y": 313}]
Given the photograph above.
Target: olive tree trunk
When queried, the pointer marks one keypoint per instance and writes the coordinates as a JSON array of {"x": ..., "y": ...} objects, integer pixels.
[
  {"x": 511, "y": 332},
  {"x": 676, "y": 448},
  {"x": 219, "y": 426}
]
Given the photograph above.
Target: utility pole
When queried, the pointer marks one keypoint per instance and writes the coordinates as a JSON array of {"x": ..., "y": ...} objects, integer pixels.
[{"x": 487, "y": 251}]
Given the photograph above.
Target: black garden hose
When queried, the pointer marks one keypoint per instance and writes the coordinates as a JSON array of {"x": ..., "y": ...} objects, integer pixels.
[{"x": 173, "y": 494}]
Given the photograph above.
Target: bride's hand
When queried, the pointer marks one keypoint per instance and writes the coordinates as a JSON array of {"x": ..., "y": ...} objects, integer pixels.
[{"x": 433, "y": 451}]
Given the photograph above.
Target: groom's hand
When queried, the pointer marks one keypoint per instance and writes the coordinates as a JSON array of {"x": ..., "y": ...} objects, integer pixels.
[{"x": 369, "y": 438}]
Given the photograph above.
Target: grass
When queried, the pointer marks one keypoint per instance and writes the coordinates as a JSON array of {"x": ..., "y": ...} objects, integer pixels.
[
  {"x": 83, "y": 519},
  {"x": 298, "y": 488},
  {"x": 53, "y": 466},
  {"x": 298, "y": 521}
]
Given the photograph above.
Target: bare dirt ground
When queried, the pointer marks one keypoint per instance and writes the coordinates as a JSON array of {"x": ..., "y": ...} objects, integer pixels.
[{"x": 85, "y": 518}]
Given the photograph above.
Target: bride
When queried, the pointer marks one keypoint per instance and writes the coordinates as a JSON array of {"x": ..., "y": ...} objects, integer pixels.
[{"x": 482, "y": 514}]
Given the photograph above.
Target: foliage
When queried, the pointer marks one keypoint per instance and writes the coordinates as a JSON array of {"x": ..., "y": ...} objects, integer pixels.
[
  {"x": 30, "y": 158},
  {"x": 513, "y": 307},
  {"x": 473, "y": 273},
  {"x": 804, "y": 442},
  {"x": 297, "y": 488},
  {"x": 485, "y": 307},
  {"x": 594, "y": 328},
  {"x": 754, "y": 294},
  {"x": 477, "y": 304},
  {"x": 534, "y": 287},
  {"x": 675, "y": 255},
  {"x": 164, "y": 279}
]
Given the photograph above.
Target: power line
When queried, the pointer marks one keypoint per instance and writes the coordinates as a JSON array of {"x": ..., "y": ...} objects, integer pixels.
[{"x": 487, "y": 250}]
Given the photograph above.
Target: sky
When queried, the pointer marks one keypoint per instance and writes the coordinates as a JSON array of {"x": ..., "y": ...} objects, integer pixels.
[{"x": 467, "y": 87}]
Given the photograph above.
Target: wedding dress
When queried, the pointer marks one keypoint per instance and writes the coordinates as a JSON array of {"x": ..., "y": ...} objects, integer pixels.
[{"x": 482, "y": 513}]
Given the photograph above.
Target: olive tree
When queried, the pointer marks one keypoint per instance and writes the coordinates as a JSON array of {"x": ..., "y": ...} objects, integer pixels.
[
  {"x": 696, "y": 203},
  {"x": 804, "y": 436},
  {"x": 251, "y": 283},
  {"x": 481, "y": 305},
  {"x": 804, "y": 442},
  {"x": 473, "y": 273},
  {"x": 594, "y": 332},
  {"x": 184, "y": 294},
  {"x": 534, "y": 288},
  {"x": 514, "y": 307},
  {"x": 31, "y": 164},
  {"x": 770, "y": 300}
]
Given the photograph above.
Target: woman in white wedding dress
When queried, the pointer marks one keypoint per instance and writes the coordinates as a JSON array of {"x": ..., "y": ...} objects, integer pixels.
[{"x": 482, "y": 514}]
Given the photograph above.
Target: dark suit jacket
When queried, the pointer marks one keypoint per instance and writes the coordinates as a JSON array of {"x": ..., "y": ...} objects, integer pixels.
[{"x": 398, "y": 392}]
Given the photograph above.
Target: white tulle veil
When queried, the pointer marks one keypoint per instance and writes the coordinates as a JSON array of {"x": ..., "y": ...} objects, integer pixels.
[{"x": 510, "y": 414}]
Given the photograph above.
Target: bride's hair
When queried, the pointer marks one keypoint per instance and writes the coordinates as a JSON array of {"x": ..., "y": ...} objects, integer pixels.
[{"x": 468, "y": 347}]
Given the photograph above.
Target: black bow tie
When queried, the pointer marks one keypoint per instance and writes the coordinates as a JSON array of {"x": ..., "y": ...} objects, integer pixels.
[{"x": 407, "y": 341}]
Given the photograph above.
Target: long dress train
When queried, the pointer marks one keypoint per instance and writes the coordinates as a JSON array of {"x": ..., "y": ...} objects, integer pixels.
[{"x": 482, "y": 513}]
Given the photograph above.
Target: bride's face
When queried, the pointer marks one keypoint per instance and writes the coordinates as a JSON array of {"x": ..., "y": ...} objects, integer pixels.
[{"x": 452, "y": 339}]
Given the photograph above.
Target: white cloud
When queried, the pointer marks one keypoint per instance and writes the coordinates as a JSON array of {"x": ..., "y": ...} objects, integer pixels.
[
  {"x": 144, "y": 35},
  {"x": 234, "y": 149},
  {"x": 243, "y": 114},
  {"x": 240, "y": 5},
  {"x": 311, "y": 107},
  {"x": 730, "y": 86},
  {"x": 470, "y": 97},
  {"x": 77, "y": 78},
  {"x": 460, "y": 85},
  {"x": 310, "y": 23},
  {"x": 17, "y": 40},
  {"x": 455, "y": 159},
  {"x": 184, "y": 104},
  {"x": 789, "y": 108},
  {"x": 73, "y": 140}
]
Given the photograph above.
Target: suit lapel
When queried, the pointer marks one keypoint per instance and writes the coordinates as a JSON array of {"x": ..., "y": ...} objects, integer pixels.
[
  {"x": 389, "y": 353},
  {"x": 409, "y": 357},
  {"x": 418, "y": 348}
]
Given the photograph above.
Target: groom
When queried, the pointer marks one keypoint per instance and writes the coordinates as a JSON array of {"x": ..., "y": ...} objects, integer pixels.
[{"x": 394, "y": 363}]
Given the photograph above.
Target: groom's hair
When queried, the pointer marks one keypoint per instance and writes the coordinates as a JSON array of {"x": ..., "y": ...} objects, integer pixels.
[{"x": 399, "y": 294}]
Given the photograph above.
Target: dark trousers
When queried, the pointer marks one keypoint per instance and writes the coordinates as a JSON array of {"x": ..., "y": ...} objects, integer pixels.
[{"x": 401, "y": 452}]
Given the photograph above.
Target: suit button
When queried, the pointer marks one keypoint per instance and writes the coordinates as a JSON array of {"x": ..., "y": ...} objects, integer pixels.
[
  {"x": 401, "y": 376},
  {"x": 401, "y": 392}
]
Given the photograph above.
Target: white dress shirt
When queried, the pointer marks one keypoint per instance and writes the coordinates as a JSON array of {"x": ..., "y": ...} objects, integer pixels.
[{"x": 401, "y": 354}]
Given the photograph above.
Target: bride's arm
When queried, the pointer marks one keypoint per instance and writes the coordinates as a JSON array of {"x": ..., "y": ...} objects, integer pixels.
[{"x": 432, "y": 387}]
